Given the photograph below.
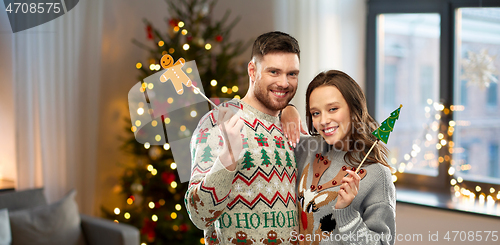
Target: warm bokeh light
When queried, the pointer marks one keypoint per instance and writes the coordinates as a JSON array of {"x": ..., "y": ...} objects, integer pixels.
[
  {"x": 161, "y": 43},
  {"x": 167, "y": 120},
  {"x": 126, "y": 215},
  {"x": 193, "y": 113},
  {"x": 140, "y": 111},
  {"x": 183, "y": 128},
  {"x": 138, "y": 65},
  {"x": 180, "y": 24},
  {"x": 154, "y": 218},
  {"x": 208, "y": 46},
  {"x": 166, "y": 146},
  {"x": 178, "y": 207},
  {"x": 117, "y": 211},
  {"x": 173, "y": 166},
  {"x": 213, "y": 82},
  {"x": 224, "y": 89},
  {"x": 185, "y": 46}
]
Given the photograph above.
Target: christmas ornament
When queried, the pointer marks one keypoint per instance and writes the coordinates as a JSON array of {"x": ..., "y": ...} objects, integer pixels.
[
  {"x": 173, "y": 22},
  {"x": 149, "y": 30},
  {"x": 479, "y": 69}
]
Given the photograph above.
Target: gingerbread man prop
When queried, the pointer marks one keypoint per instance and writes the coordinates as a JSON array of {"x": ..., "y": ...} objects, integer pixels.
[{"x": 174, "y": 73}]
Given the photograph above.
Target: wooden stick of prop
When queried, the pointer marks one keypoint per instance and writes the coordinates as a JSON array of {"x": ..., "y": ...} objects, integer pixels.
[
  {"x": 197, "y": 90},
  {"x": 359, "y": 167}
]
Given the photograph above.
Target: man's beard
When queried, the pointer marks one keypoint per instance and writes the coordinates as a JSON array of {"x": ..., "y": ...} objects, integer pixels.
[{"x": 262, "y": 94}]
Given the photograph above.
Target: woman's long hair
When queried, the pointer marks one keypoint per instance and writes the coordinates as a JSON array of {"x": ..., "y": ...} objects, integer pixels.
[{"x": 362, "y": 124}]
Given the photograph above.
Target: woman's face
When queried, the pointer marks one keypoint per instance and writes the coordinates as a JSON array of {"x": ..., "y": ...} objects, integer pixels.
[{"x": 330, "y": 115}]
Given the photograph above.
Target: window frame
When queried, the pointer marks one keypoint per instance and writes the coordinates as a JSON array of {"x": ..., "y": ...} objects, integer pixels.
[{"x": 446, "y": 9}]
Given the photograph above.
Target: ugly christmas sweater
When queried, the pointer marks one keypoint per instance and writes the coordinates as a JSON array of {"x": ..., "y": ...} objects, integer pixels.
[
  {"x": 255, "y": 204},
  {"x": 369, "y": 219}
]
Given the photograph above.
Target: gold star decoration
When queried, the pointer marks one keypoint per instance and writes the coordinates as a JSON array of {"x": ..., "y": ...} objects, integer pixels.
[{"x": 479, "y": 69}]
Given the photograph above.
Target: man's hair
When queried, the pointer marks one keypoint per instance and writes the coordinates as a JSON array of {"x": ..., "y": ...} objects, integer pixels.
[{"x": 274, "y": 42}]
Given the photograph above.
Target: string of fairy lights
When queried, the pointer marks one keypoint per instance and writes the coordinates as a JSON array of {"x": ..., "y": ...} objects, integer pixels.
[{"x": 434, "y": 112}]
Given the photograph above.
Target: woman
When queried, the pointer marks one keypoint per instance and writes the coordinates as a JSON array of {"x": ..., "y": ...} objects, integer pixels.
[{"x": 337, "y": 205}]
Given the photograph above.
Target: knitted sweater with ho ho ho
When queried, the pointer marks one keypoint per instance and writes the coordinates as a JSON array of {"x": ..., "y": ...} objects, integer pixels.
[{"x": 256, "y": 203}]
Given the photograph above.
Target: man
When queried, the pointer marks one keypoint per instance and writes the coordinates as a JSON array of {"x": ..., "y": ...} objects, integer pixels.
[{"x": 242, "y": 187}]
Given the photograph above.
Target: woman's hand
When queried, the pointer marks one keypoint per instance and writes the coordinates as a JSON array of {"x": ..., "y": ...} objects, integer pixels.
[
  {"x": 230, "y": 126},
  {"x": 348, "y": 190},
  {"x": 290, "y": 120}
]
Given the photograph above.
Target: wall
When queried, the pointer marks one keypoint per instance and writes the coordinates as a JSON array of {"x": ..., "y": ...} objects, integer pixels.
[{"x": 412, "y": 220}]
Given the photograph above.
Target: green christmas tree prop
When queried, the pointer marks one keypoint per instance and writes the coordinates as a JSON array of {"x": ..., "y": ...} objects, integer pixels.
[
  {"x": 207, "y": 155},
  {"x": 288, "y": 160},
  {"x": 149, "y": 186},
  {"x": 382, "y": 133},
  {"x": 265, "y": 157},
  {"x": 277, "y": 158},
  {"x": 248, "y": 161}
]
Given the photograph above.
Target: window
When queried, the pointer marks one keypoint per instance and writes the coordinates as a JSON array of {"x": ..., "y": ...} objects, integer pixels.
[
  {"x": 492, "y": 96},
  {"x": 441, "y": 59},
  {"x": 494, "y": 162},
  {"x": 409, "y": 78}
]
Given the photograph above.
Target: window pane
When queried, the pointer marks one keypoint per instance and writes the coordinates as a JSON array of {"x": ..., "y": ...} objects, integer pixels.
[
  {"x": 408, "y": 74},
  {"x": 477, "y": 134}
]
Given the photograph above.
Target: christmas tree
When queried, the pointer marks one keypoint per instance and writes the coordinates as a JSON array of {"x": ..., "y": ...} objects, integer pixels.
[
  {"x": 277, "y": 158},
  {"x": 248, "y": 161},
  {"x": 150, "y": 187},
  {"x": 288, "y": 160},
  {"x": 385, "y": 129},
  {"x": 265, "y": 157},
  {"x": 207, "y": 155}
]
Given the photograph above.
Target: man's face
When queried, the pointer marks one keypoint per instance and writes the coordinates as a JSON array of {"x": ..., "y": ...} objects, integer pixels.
[{"x": 276, "y": 79}]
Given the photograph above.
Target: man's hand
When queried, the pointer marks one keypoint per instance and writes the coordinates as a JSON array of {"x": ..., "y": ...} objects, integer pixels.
[
  {"x": 290, "y": 120},
  {"x": 230, "y": 126},
  {"x": 348, "y": 190}
]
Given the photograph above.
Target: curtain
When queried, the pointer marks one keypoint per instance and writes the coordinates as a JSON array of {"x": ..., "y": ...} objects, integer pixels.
[
  {"x": 56, "y": 86},
  {"x": 331, "y": 35}
]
